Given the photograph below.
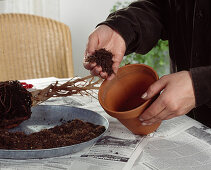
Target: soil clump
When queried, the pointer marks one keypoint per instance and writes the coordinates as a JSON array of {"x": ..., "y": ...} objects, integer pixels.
[
  {"x": 66, "y": 134},
  {"x": 102, "y": 58},
  {"x": 15, "y": 104}
]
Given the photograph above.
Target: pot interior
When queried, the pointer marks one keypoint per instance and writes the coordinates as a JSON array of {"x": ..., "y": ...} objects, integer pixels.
[{"x": 124, "y": 92}]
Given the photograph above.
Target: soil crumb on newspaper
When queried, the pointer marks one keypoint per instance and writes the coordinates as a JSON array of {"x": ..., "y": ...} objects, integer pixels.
[{"x": 66, "y": 134}]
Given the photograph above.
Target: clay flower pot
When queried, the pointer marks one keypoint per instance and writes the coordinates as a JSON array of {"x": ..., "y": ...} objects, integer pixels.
[{"x": 121, "y": 96}]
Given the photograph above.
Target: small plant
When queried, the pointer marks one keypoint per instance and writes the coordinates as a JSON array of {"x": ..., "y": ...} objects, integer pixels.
[
  {"x": 158, "y": 57},
  {"x": 16, "y": 101}
]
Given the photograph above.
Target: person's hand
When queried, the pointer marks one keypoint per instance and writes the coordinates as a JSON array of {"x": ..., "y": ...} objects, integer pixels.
[
  {"x": 105, "y": 37},
  {"x": 177, "y": 98}
]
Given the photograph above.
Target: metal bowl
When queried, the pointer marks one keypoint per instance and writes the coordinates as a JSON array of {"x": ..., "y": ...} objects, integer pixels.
[{"x": 47, "y": 116}]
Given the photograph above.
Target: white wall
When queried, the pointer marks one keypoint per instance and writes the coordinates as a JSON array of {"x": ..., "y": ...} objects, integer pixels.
[
  {"x": 82, "y": 16},
  {"x": 46, "y": 8}
]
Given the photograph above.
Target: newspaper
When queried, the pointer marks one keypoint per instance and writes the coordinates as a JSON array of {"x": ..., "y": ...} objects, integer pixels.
[
  {"x": 117, "y": 149},
  {"x": 180, "y": 143},
  {"x": 188, "y": 148}
]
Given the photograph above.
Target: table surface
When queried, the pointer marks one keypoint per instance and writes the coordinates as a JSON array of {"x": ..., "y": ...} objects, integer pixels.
[{"x": 179, "y": 143}]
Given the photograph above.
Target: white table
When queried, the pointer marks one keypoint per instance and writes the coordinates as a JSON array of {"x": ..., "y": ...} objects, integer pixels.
[{"x": 179, "y": 143}]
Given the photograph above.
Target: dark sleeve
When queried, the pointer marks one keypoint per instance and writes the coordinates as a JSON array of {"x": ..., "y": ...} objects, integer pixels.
[
  {"x": 201, "y": 77},
  {"x": 141, "y": 24}
]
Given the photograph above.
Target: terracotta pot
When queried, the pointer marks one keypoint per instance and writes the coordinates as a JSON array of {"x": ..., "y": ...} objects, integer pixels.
[{"x": 121, "y": 96}]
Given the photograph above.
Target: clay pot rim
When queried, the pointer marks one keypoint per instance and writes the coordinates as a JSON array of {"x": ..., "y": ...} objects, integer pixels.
[{"x": 127, "y": 114}]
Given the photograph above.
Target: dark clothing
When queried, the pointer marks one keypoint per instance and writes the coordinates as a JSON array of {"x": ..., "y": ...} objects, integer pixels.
[{"x": 187, "y": 26}]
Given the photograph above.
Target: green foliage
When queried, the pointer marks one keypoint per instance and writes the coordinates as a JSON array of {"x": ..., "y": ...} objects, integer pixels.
[
  {"x": 118, "y": 5},
  {"x": 158, "y": 57}
]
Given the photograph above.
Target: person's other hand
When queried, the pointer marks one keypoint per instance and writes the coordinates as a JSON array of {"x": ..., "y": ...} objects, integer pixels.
[
  {"x": 105, "y": 37},
  {"x": 177, "y": 98}
]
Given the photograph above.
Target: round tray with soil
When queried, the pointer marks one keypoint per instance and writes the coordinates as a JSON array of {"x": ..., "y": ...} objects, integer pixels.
[
  {"x": 16, "y": 105},
  {"x": 52, "y": 131}
]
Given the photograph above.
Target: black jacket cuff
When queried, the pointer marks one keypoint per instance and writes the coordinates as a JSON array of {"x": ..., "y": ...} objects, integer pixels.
[{"x": 201, "y": 77}]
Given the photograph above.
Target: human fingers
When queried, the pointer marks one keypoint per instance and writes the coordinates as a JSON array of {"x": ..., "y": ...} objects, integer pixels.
[
  {"x": 111, "y": 77},
  {"x": 88, "y": 65},
  {"x": 103, "y": 75},
  {"x": 115, "y": 68},
  {"x": 166, "y": 114},
  {"x": 96, "y": 71},
  {"x": 169, "y": 117},
  {"x": 155, "y": 88},
  {"x": 153, "y": 110},
  {"x": 177, "y": 97},
  {"x": 117, "y": 58},
  {"x": 172, "y": 109},
  {"x": 158, "y": 118},
  {"x": 158, "y": 105}
]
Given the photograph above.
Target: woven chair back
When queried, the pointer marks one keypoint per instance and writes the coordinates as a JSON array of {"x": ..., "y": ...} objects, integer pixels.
[{"x": 34, "y": 47}]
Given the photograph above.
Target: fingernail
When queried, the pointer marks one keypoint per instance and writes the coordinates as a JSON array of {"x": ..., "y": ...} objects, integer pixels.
[
  {"x": 93, "y": 64},
  {"x": 146, "y": 124},
  {"x": 144, "y": 95},
  {"x": 88, "y": 54},
  {"x": 141, "y": 119}
]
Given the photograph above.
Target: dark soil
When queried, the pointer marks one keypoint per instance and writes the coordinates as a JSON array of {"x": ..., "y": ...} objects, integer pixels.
[
  {"x": 69, "y": 133},
  {"x": 15, "y": 103},
  {"x": 103, "y": 58}
]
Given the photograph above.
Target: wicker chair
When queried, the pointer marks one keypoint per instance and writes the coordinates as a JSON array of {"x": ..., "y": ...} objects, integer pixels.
[{"x": 34, "y": 47}]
